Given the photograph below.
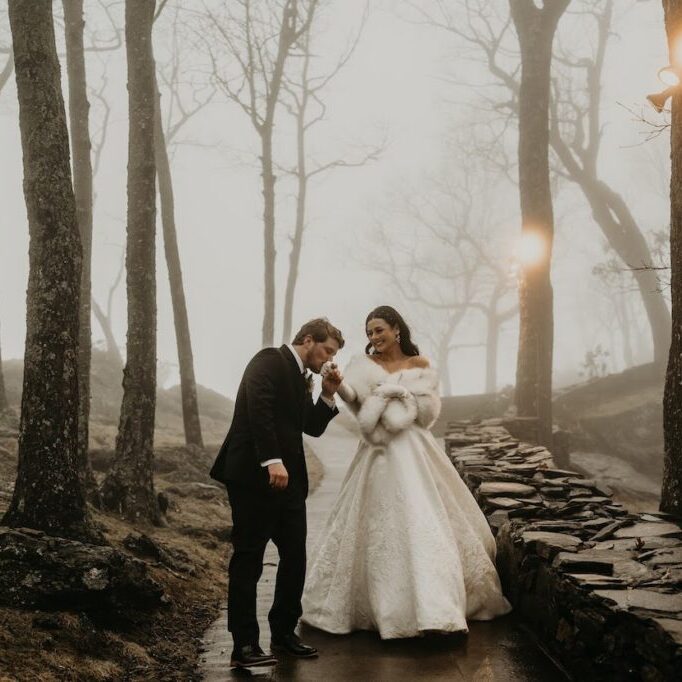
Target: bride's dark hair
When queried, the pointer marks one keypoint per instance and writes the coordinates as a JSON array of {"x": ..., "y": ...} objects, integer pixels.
[{"x": 395, "y": 319}]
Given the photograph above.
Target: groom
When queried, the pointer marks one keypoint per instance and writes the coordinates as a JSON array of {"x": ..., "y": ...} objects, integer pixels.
[{"x": 263, "y": 466}]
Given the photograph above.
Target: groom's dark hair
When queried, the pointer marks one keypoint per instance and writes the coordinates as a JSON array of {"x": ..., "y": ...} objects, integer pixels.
[{"x": 320, "y": 329}]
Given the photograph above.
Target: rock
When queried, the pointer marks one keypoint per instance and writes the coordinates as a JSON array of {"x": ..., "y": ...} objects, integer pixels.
[
  {"x": 601, "y": 563},
  {"x": 663, "y": 557},
  {"x": 547, "y": 544},
  {"x": 609, "y": 530},
  {"x": 144, "y": 546},
  {"x": 498, "y": 518},
  {"x": 598, "y": 582},
  {"x": 494, "y": 488},
  {"x": 646, "y": 600},
  {"x": 40, "y": 571},
  {"x": 672, "y": 628},
  {"x": 648, "y": 529},
  {"x": 560, "y": 473},
  {"x": 590, "y": 500},
  {"x": 197, "y": 490},
  {"x": 504, "y": 502}
]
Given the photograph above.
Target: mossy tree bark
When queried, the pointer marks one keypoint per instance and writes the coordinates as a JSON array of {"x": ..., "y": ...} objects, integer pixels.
[
  {"x": 535, "y": 27},
  {"x": 671, "y": 494},
  {"x": 48, "y": 495},
  {"x": 129, "y": 486},
  {"x": 79, "y": 109}
]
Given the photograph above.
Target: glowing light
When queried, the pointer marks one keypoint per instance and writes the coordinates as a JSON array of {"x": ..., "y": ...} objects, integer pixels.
[
  {"x": 532, "y": 248},
  {"x": 669, "y": 77}
]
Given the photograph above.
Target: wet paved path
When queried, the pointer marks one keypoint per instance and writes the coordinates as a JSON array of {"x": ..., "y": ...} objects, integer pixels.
[{"x": 499, "y": 650}]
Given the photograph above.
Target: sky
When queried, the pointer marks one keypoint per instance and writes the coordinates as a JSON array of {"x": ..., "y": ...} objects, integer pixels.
[{"x": 408, "y": 85}]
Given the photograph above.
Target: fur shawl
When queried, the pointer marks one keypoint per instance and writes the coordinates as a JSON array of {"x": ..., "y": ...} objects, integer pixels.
[{"x": 386, "y": 403}]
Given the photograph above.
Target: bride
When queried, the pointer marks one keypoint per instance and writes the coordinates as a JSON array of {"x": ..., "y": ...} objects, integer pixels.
[{"x": 406, "y": 549}]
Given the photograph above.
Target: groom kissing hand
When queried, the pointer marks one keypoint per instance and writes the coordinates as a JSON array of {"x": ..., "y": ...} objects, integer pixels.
[
  {"x": 311, "y": 355},
  {"x": 262, "y": 464}
]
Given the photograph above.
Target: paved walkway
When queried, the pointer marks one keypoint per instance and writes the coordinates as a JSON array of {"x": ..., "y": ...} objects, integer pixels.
[{"x": 499, "y": 650}]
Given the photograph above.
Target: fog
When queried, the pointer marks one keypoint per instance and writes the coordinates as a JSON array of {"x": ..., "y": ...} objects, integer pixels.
[{"x": 414, "y": 90}]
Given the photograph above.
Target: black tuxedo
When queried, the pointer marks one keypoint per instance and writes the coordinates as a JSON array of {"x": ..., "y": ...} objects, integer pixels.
[{"x": 272, "y": 410}]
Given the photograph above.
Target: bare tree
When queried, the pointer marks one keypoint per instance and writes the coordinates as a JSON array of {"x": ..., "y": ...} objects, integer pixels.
[
  {"x": 576, "y": 130},
  {"x": 129, "y": 486},
  {"x": 535, "y": 28},
  {"x": 5, "y": 75},
  {"x": 7, "y": 69},
  {"x": 162, "y": 138},
  {"x": 260, "y": 38},
  {"x": 4, "y": 403},
  {"x": 671, "y": 494},
  {"x": 48, "y": 495},
  {"x": 105, "y": 317},
  {"x": 79, "y": 108},
  {"x": 441, "y": 255},
  {"x": 305, "y": 103}
]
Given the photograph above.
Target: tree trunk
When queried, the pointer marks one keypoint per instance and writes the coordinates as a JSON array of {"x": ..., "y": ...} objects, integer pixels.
[
  {"x": 671, "y": 494},
  {"x": 188, "y": 384},
  {"x": 4, "y": 404},
  {"x": 444, "y": 367},
  {"x": 48, "y": 495},
  {"x": 620, "y": 228},
  {"x": 105, "y": 323},
  {"x": 129, "y": 486},
  {"x": 297, "y": 241},
  {"x": 82, "y": 184},
  {"x": 623, "y": 311},
  {"x": 535, "y": 28},
  {"x": 7, "y": 71},
  {"x": 491, "y": 345},
  {"x": 269, "y": 251}
]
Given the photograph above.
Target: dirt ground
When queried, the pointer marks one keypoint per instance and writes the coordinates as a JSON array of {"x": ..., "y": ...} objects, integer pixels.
[{"x": 162, "y": 645}]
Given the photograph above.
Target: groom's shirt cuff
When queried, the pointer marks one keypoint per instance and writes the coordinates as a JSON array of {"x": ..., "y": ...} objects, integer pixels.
[
  {"x": 267, "y": 462},
  {"x": 329, "y": 402}
]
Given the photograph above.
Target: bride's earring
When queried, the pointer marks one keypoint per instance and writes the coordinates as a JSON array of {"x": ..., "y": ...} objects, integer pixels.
[{"x": 397, "y": 337}]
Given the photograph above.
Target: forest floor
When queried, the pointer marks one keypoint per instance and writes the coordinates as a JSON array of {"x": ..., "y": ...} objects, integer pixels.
[{"x": 162, "y": 644}]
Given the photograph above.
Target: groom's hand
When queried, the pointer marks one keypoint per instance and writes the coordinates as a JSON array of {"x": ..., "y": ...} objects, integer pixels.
[
  {"x": 331, "y": 382},
  {"x": 279, "y": 476}
]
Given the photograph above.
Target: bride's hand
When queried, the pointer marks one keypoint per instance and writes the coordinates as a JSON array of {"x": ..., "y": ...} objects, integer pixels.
[
  {"x": 389, "y": 391},
  {"x": 331, "y": 380}
]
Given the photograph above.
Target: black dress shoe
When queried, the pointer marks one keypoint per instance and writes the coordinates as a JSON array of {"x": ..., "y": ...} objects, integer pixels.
[
  {"x": 292, "y": 645},
  {"x": 249, "y": 656}
]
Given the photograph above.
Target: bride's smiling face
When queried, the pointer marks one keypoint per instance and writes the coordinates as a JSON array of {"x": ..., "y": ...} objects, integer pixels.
[{"x": 381, "y": 335}]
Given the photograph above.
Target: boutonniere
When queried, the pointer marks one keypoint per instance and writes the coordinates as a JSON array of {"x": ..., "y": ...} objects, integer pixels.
[{"x": 309, "y": 383}]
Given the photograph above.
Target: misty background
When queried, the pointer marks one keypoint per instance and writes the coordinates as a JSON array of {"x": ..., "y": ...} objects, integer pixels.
[{"x": 419, "y": 97}]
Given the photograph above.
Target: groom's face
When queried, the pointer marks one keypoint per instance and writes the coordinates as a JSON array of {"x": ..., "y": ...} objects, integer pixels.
[{"x": 319, "y": 352}]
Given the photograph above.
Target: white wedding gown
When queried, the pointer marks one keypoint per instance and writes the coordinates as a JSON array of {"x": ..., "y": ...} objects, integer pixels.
[{"x": 406, "y": 548}]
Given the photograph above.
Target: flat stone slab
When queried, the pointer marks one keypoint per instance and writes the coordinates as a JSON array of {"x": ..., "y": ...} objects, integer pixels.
[
  {"x": 632, "y": 543},
  {"x": 492, "y": 488},
  {"x": 619, "y": 564},
  {"x": 664, "y": 557},
  {"x": 648, "y": 600},
  {"x": 672, "y": 627},
  {"x": 548, "y": 544},
  {"x": 505, "y": 503},
  {"x": 595, "y": 581},
  {"x": 649, "y": 529}
]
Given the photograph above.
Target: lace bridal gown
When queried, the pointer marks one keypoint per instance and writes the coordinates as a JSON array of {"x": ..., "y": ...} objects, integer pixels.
[{"x": 406, "y": 548}]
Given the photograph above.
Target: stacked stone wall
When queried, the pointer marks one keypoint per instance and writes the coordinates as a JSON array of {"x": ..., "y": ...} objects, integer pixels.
[{"x": 600, "y": 587}]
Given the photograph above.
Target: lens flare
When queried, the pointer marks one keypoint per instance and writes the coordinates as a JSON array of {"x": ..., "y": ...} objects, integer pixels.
[
  {"x": 532, "y": 248},
  {"x": 669, "y": 77}
]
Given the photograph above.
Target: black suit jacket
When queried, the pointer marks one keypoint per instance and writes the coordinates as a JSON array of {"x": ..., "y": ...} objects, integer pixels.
[{"x": 272, "y": 410}]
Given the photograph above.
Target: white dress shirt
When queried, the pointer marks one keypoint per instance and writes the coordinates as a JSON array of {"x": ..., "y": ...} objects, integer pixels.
[{"x": 330, "y": 402}]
